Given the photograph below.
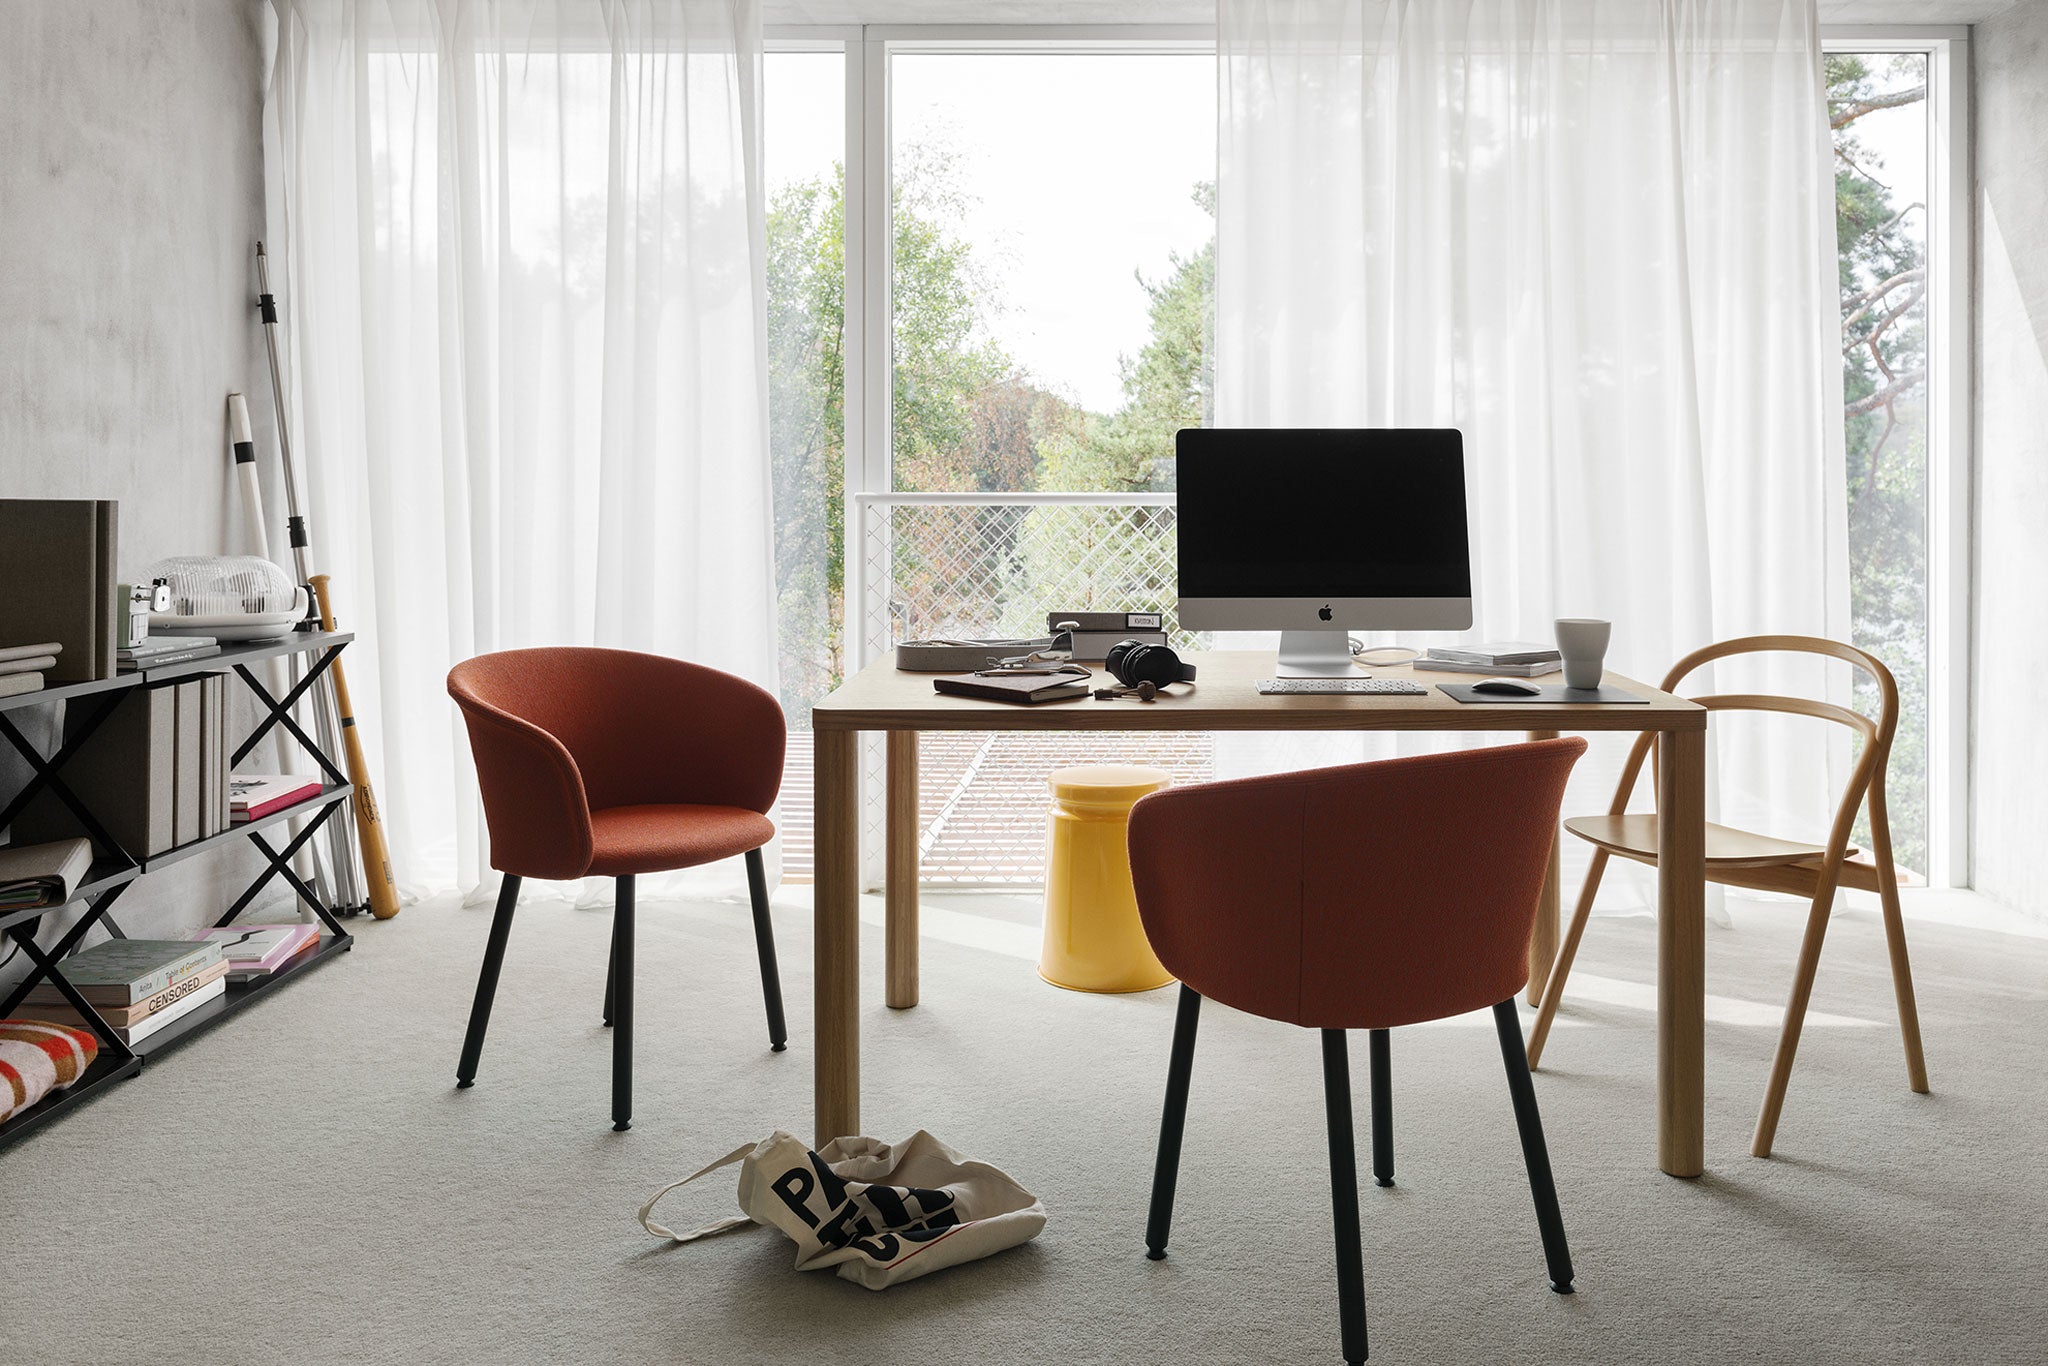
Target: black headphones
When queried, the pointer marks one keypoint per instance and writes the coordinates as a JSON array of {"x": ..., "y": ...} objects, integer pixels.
[{"x": 1131, "y": 662}]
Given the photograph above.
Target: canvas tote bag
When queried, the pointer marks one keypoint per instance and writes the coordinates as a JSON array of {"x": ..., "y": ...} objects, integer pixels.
[{"x": 879, "y": 1212}]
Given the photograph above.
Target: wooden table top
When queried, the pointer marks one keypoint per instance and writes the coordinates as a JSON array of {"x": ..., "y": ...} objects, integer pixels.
[{"x": 1225, "y": 697}]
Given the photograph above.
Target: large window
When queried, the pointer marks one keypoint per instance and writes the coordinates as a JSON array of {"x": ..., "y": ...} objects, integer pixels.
[
  {"x": 1892, "y": 226},
  {"x": 971, "y": 415}
]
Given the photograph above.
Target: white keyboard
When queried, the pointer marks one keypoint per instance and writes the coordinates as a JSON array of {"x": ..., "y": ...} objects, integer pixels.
[{"x": 1270, "y": 686}]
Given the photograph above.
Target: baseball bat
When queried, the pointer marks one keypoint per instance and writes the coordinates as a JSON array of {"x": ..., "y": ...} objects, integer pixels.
[{"x": 369, "y": 825}]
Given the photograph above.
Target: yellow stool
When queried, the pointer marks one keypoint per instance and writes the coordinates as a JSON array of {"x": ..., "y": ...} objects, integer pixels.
[{"x": 1093, "y": 938}]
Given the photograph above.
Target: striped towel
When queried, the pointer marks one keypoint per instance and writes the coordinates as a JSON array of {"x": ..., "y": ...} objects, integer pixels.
[{"x": 37, "y": 1058}]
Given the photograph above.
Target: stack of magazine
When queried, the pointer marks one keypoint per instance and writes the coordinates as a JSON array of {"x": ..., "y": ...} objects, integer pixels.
[
  {"x": 254, "y": 951},
  {"x": 138, "y": 986},
  {"x": 1502, "y": 659}
]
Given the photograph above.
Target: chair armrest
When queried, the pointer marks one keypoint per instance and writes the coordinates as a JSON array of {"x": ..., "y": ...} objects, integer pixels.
[{"x": 534, "y": 803}]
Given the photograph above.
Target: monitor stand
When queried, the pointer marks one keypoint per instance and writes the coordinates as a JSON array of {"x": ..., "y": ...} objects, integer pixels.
[{"x": 1316, "y": 654}]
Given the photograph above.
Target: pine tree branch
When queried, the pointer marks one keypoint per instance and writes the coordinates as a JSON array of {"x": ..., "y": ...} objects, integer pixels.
[
  {"x": 1852, "y": 110},
  {"x": 1861, "y": 304},
  {"x": 1890, "y": 393},
  {"x": 1883, "y": 324}
]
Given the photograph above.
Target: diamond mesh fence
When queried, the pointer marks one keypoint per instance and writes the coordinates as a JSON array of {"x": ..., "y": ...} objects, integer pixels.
[{"x": 997, "y": 568}]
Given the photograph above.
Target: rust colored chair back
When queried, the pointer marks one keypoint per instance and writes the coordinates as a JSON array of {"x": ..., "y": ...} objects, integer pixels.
[
  {"x": 562, "y": 731},
  {"x": 1364, "y": 897},
  {"x": 1361, "y": 897}
]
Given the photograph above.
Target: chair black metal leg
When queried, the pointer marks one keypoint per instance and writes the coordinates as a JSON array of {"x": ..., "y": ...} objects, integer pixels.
[
  {"x": 764, "y": 944},
  {"x": 1166, "y": 1170},
  {"x": 1377, "y": 1043},
  {"x": 487, "y": 982},
  {"x": 611, "y": 979},
  {"x": 1344, "y": 1195},
  {"x": 622, "y": 1007},
  {"x": 1534, "y": 1152}
]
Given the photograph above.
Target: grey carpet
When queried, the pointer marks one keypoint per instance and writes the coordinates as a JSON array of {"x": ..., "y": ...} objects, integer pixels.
[{"x": 307, "y": 1185}]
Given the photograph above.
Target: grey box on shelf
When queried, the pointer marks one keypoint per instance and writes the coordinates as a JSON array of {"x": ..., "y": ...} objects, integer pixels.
[
  {"x": 124, "y": 773},
  {"x": 57, "y": 565}
]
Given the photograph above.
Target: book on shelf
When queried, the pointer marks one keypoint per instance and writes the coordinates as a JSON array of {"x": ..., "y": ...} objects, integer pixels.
[
  {"x": 121, "y": 972},
  {"x": 43, "y": 874},
  {"x": 1466, "y": 666},
  {"x": 252, "y": 796},
  {"x": 28, "y": 664},
  {"x": 187, "y": 651},
  {"x": 154, "y": 647},
  {"x": 57, "y": 558},
  {"x": 13, "y": 656},
  {"x": 257, "y": 950},
  {"x": 148, "y": 1024},
  {"x": 13, "y": 685},
  {"x": 1493, "y": 654},
  {"x": 46, "y": 997}
]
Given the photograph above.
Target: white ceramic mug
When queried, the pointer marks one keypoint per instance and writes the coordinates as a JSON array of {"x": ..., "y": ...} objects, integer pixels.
[{"x": 1583, "y": 643}]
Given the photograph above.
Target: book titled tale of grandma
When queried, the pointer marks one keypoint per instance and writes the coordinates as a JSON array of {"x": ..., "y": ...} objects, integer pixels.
[{"x": 121, "y": 972}]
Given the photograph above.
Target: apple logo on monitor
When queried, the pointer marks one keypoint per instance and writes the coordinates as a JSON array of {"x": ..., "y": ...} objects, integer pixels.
[{"x": 1324, "y": 613}]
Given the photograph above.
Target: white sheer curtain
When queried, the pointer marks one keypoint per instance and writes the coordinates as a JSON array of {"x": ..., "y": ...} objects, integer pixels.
[
  {"x": 523, "y": 285},
  {"x": 1596, "y": 235}
]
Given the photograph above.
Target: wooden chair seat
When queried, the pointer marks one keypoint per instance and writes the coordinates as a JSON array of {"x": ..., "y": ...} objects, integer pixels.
[{"x": 1740, "y": 858}]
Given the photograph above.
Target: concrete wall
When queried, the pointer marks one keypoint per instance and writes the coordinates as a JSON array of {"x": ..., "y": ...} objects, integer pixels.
[
  {"x": 131, "y": 196},
  {"x": 2010, "y": 749}
]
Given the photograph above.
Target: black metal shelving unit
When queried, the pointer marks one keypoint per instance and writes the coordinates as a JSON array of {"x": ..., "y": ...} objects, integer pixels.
[{"x": 115, "y": 869}]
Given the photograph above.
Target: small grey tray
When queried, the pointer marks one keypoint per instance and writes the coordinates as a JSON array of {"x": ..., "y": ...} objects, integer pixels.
[
  {"x": 957, "y": 656},
  {"x": 1548, "y": 692}
]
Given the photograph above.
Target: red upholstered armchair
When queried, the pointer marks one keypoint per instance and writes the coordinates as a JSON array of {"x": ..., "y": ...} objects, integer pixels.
[
  {"x": 1363, "y": 897},
  {"x": 610, "y": 763}
]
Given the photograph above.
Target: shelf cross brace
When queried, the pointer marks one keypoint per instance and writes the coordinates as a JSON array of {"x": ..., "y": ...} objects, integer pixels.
[
  {"x": 278, "y": 713},
  {"x": 280, "y": 866},
  {"x": 95, "y": 910},
  {"x": 45, "y": 774},
  {"x": 46, "y": 966}
]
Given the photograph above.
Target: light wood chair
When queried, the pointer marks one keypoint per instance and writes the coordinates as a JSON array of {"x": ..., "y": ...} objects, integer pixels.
[{"x": 1739, "y": 858}]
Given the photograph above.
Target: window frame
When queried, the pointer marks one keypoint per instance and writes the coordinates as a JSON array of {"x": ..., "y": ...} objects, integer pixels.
[{"x": 1950, "y": 426}]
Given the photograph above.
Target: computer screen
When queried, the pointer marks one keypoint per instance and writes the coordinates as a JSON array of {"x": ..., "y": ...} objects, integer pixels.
[{"x": 1305, "y": 529}]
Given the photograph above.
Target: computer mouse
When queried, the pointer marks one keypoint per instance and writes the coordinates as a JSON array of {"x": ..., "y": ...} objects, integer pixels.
[{"x": 1507, "y": 687}]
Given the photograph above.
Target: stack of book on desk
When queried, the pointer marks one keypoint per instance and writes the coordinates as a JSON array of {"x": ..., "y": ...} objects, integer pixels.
[
  {"x": 157, "y": 651},
  {"x": 1505, "y": 659},
  {"x": 22, "y": 666},
  {"x": 42, "y": 874},
  {"x": 254, "y": 951},
  {"x": 137, "y": 985}
]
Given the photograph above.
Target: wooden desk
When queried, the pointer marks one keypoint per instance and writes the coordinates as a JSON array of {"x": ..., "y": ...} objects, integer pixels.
[{"x": 881, "y": 698}]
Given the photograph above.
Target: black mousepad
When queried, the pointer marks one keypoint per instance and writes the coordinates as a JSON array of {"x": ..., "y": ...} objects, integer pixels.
[{"x": 1548, "y": 692}]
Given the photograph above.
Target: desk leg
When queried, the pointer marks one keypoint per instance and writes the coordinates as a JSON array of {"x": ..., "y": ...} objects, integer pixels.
[
  {"x": 901, "y": 871},
  {"x": 1681, "y": 951},
  {"x": 1543, "y": 938},
  {"x": 836, "y": 918}
]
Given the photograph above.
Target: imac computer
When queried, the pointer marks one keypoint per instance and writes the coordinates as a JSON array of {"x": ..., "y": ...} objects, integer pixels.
[{"x": 1320, "y": 532}]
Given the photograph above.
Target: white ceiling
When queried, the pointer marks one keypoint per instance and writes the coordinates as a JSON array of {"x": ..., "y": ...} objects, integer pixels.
[{"x": 1204, "y": 11}]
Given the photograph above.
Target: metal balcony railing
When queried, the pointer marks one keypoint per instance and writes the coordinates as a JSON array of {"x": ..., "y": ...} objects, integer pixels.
[
  {"x": 994, "y": 564},
  {"x": 921, "y": 565}
]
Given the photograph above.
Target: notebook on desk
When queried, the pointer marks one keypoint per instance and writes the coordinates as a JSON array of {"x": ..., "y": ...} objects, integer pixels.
[{"x": 1025, "y": 688}]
